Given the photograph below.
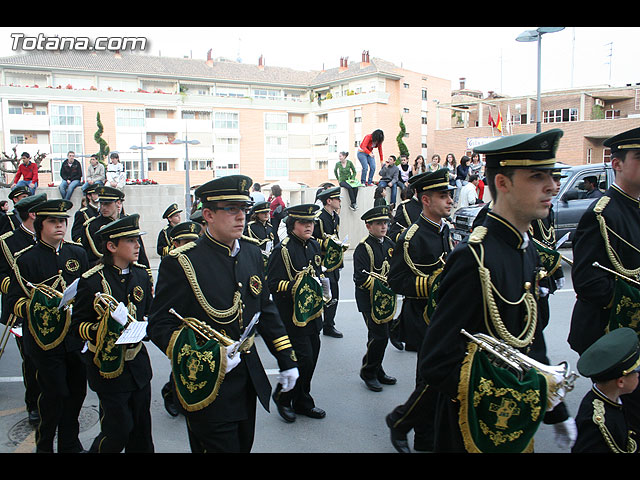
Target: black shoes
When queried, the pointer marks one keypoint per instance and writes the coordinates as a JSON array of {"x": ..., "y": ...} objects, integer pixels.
[
  {"x": 34, "y": 418},
  {"x": 372, "y": 384},
  {"x": 398, "y": 438},
  {"x": 331, "y": 332},
  {"x": 314, "y": 412},
  {"x": 285, "y": 411},
  {"x": 386, "y": 379}
]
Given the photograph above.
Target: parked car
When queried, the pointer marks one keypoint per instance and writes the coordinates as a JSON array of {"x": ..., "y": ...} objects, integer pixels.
[{"x": 568, "y": 205}]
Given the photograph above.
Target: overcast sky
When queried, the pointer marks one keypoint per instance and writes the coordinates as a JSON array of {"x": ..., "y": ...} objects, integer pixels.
[{"x": 489, "y": 58}]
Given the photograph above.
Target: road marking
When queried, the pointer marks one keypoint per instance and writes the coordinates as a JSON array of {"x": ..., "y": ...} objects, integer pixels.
[
  {"x": 12, "y": 411},
  {"x": 10, "y": 379}
]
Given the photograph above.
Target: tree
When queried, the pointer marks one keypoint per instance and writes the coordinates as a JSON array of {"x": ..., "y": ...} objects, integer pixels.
[
  {"x": 103, "y": 153},
  {"x": 402, "y": 148}
]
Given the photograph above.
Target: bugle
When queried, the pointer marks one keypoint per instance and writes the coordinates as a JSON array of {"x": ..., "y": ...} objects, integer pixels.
[
  {"x": 104, "y": 301},
  {"x": 206, "y": 331},
  {"x": 7, "y": 333}
]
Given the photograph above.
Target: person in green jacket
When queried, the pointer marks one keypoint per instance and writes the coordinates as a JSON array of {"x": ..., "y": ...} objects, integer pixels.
[{"x": 345, "y": 173}]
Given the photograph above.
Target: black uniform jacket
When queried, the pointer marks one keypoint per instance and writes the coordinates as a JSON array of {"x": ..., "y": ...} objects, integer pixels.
[
  {"x": 131, "y": 288},
  {"x": 543, "y": 231},
  {"x": 9, "y": 222},
  {"x": 260, "y": 231},
  {"x": 512, "y": 263},
  {"x": 11, "y": 244},
  {"x": 214, "y": 275},
  {"x": 327, "y": 224},
  {"x": 363, "y": 265},
  {"x": 81, "y": 216},
  {"x": 591, "y": 439},
  {"x": 281, "y": 274},
  {"x": 163, "y": 245},
  {"x": 406, "y": 213},
  {"x": 594, "y": 287},
  {"x": 43, "y": 263}
]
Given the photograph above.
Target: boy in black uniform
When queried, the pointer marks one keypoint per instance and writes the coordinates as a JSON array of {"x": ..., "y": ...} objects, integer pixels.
[
  {"x": 221, "y": 412},
  {"x": 612, "y": 363},
  {"x": 608, "y": 234},
  {"x": 172, "y": 215},
  {"x": 375, "y": 300},
  {"x": 119, "y": 374},
  {"x": 489, "y": 286},
  {"x": 40, "y": 274},
  {"x": 294, "y": 273},
  {"x": 259, "y": 228},
  {"x": 11, "y": 220},
  {"x": 90, "y": 210},
  {"x": 12, "y": 244},
  {"x": 418, "y": 259},
  {"x": 326, "y": 233}
]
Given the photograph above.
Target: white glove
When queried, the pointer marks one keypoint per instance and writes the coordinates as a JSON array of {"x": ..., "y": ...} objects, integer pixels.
[
  {"x": 120, "y": 314},
  {"x": 565, "y": 433},
  {"x": 232, "y": 361},
  {"x": 543, "y": 291},
  {"x": 287, "y": 378},
  {"x": 326, "y": 288},
  {"x": 560, "y": 282}
]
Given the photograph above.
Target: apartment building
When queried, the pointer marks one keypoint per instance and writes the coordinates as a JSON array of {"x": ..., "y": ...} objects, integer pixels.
[
  {"x": 275, "y": 124},
  {"x": 586, "y": 115}
]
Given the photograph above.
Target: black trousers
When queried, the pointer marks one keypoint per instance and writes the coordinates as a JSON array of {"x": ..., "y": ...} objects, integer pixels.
[
  {"x": 125, "y": 422},
  {"x": 329, "y": 313},
  {"x": 31, "y": 387},
  {"x": 377, "y": 339},
  {"x": 353, "y": 192},
  {"x": 307, "y": 350},
  {"x": 417, "y": 414},
  {"x": 222, "y": 437},
  {"x": 62, "y": 380}
]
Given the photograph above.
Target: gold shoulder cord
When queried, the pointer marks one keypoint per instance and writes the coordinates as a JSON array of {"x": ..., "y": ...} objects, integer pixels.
[
  {"x": 611, "y": 253},
  {"x": 598, "y": 419},
  {"x": 548, "y": 234},
  {"x": 491, "y": 310},
  {"x": 292, "y": 273},
  {"x": 405, "y": 247},
  {"x": 384, "y": 268},
  {"x": 234, "y": 311}
]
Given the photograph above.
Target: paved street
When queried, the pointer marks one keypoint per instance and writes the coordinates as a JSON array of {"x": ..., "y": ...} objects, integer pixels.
[{"x": 355, "y": 415}]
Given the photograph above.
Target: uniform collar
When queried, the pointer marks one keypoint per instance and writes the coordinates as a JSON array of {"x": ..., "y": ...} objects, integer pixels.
[
  {"x": 437, "y": 226},
  {"x": 506, "y": 231},
  {"x": 46, "y": 246},
  {"x": 231, "y": 252},
  {"x": 625, "y": 196}
]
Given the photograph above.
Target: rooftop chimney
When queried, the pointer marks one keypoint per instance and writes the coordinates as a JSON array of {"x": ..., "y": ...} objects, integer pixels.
[
  {"x": 462, "y": 82},
  {"x": 344, "y": 63},
  {"x": 365, "y": 58},
  {"x": 209, "y": 59},
  {"x": 261, "y": 62}
]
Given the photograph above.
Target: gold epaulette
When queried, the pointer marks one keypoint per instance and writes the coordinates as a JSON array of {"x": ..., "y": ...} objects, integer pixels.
[
  {"x": 364, "y": 239},
  {"x": 19, "y": 252},
  {"x": 478, "y": 234},
  {"x": 601, "y": 204},
  {"x": 74, "y": 243},
  {"x": 93, "y": 270},
  {"x": 88, "y": 221},
  {"x": 6, "y": 235},
  {"x": 255, "y": 241},
  {"x": 411, "y": 231},
  {"x": 177, "y": 251}
]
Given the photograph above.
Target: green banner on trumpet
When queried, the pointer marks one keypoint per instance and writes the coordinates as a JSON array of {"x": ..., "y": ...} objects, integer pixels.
[
  {"x": 47, "y": 324},
  {"x": 499, "y": 413},
  {"x": 626, "y": 306},
  {"x": 109, "y": 357}
]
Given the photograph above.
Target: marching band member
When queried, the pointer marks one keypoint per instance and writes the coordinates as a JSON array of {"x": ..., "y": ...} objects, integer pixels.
[
  {"x": 216, "y": 286},
  {"x": 374, "y": 298},
  {"x": 489, "y": 286},
  {"x": 90, "y": 210},
  {"x": 112, "y": 293},
  {"x": 172, "y": 215},
  {"x": 41, "y": 273}
]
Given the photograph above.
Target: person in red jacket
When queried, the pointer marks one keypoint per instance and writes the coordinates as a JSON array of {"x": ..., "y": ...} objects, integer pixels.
[
  {"x": 365, "y": 155},
  {"x": 28, "y": 171}
]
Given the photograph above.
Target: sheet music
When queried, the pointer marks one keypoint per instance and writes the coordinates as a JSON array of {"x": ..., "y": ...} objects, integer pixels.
[{"x": 134, "y": 333}]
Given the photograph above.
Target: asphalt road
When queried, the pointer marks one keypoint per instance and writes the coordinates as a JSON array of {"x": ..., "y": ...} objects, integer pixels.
[{"x": 355, "y": 415}]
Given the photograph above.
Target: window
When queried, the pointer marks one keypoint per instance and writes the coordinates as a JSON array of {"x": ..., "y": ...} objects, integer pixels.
[
  {"x": 226, "y": 120},
  {"x": 268, "y": 94},
  {"x": 612, "y": 114},
  {"x": 14, "y": 110},
  {"x": 227, "y": 145},
  {"x": 61, "y": 143},
  {"x": 560, "y": 115},
  {"x": 276, "y": 167},
  {"x": 66, "y": 115},
  {"x": 275, "y": 121},
  {"x": 201, "y": 164},
  {"x": 17, "y": 139},
  {"x": 637, "y": 102},
  {"x": 424, "y": 94},
  {"x": 129, "y": 117}
]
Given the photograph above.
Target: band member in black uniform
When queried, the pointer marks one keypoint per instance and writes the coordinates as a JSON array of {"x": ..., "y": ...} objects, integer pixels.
[
  {"x": 220, "y": 413},
  {"x": 40, "y": 274},
  {"x": 111, "y": 208},
  {"x": 90, "y": 210},
  {"x": 259, "y": 228},
  {"x": 490, "y": 286},
  {"x": 326, "y": 233},
  {"x": 180, "y": 235},
  {"x": 418, "y": 259},
  {"x": 11, "y": 220},
  {"x": 295, "y": 276},
  {"x": 612, "y": 364},
  {"x": 172, "y": 215},
  {"x": 375, "y": 300},
  {"x": 407, "y": 212},
  {"x": 11, "y": 245},
  {"x": 110, "y": 295},
  {"x": 608, "y": 234}
]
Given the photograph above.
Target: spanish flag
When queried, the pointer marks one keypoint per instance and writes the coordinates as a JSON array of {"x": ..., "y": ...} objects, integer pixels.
[{"x": 499, "y": 122}]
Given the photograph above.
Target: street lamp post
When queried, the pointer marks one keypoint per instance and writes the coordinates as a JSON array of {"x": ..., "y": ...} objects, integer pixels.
[
  {"x": 141, "y": 148},
  {"x": 536, "y": 36},
  {"x": 186, "y": 142}
]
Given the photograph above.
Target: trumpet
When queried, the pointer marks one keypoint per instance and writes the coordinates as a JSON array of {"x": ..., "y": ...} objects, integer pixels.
[
  {"x": 203, "y": 329},
  {"x": 624, "y": 277},
  {"x": 103, "y": 301},
  {"x": 47, "y": 290},
  {"x": 560, "y": 377},
  {"x": 379, "y": 276},
  {"x": 7, "y": 333}
]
